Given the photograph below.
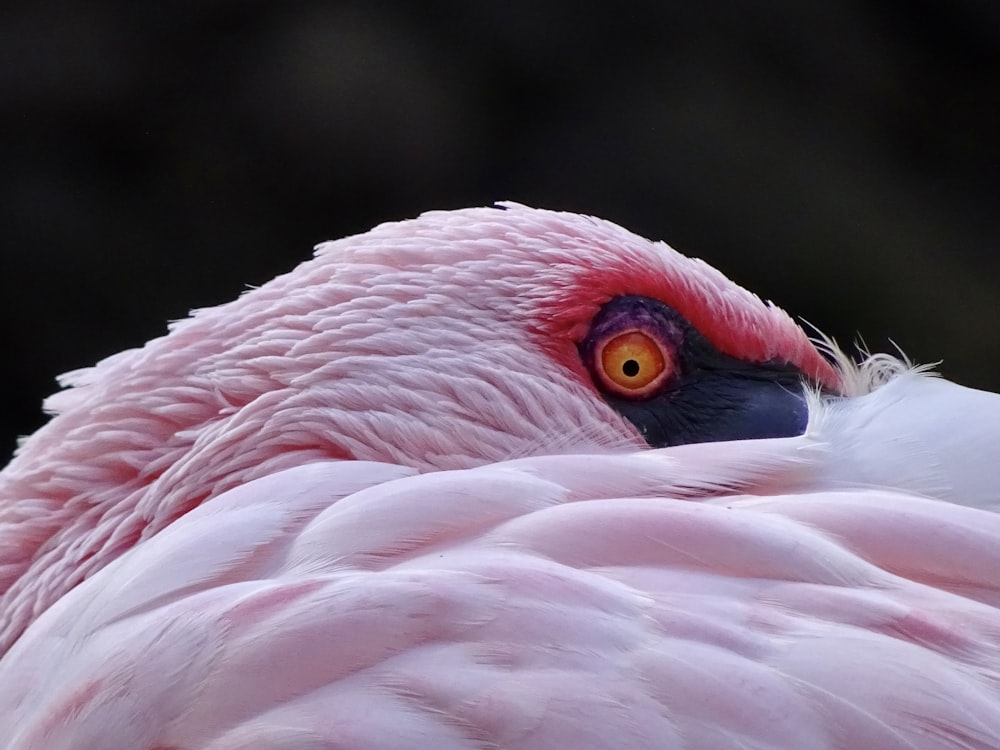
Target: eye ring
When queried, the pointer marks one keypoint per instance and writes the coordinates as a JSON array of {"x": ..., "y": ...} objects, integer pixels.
[{"x": 633, "y": 363}]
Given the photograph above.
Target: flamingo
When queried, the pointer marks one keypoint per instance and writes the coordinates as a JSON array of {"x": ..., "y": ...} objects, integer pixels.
[{"x": 501, "y": 478}]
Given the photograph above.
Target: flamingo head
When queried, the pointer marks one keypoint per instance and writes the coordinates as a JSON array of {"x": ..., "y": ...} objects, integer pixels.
[{"x": 458, "y": 338}]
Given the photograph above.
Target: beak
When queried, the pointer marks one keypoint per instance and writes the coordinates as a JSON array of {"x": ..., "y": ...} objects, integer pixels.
[{"x": 735, "y": 401}]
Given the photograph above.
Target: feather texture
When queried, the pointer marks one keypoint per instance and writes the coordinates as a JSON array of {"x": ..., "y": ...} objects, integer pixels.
[
  {"x": 524, "y": 605},
  {"x": 379, "y": 503}
]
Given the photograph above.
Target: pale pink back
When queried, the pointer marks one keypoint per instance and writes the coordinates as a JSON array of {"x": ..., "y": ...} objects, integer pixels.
[{"x": 605, "y": 601}]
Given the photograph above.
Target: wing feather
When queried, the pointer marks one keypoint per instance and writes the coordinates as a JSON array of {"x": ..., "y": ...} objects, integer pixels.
[{"x": 608, "y": 601}]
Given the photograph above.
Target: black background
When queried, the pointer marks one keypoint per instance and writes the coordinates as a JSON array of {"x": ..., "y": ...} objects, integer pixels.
[{"x": 840, "y": 158}]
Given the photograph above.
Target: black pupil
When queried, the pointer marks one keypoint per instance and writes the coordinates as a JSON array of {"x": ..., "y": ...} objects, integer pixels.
[{"x": 630, "y": 368}]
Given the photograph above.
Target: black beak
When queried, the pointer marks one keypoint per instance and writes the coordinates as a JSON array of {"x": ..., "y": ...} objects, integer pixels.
[{"x": 745, "y": 402}]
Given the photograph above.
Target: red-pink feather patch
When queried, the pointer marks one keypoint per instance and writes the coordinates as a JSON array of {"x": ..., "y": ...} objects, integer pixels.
[{"x": 735, "y": 321}]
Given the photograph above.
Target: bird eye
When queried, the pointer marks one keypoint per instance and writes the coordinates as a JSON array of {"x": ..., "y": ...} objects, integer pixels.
[{"x": 633, "y": 364}]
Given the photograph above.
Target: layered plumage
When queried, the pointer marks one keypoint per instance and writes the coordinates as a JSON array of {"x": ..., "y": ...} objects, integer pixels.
[{"x": 391, "y": 499}]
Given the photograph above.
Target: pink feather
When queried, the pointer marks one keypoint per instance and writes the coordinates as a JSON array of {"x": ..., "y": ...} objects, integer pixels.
[{"x": 187, "y": 560}]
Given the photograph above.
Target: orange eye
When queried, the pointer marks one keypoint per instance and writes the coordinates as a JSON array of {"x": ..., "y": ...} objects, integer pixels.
[{"x": 633, "y": 364}]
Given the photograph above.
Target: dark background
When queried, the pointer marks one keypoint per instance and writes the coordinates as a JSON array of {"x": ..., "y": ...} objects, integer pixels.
[{"x": 840, "y": 158}]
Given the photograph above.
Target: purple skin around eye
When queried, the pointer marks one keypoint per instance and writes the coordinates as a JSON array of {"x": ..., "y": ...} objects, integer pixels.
[{"x": 629, "y": 314}]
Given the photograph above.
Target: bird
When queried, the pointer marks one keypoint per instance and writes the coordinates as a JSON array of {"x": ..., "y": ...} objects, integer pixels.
[{"x": 502, "y": 478}]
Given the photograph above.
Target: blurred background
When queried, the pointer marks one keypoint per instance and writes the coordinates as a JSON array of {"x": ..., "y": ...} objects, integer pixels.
[{"x": 840, "y": 158}]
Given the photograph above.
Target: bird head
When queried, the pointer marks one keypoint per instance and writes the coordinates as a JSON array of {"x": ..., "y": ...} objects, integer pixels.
[{"x": 462, "y": 337}]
